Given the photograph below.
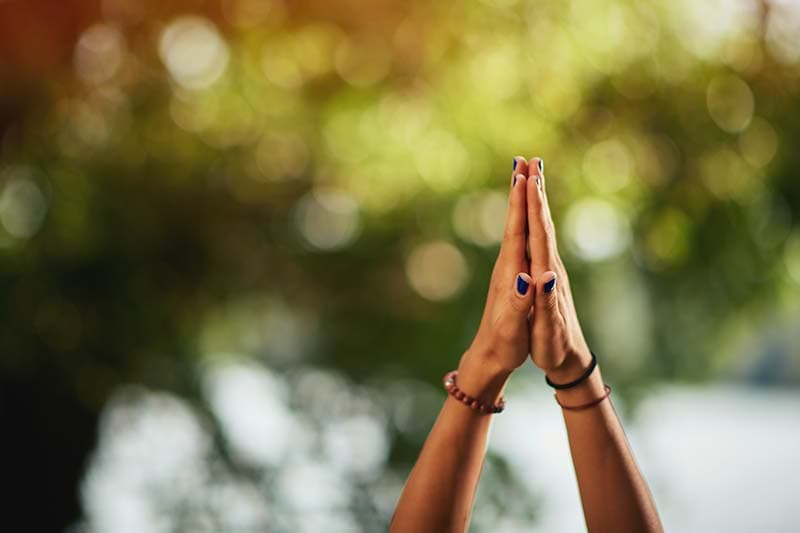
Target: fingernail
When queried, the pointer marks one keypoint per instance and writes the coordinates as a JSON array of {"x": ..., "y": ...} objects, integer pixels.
[
  {"x": 522, "y": 285},
  {"x": 514, "y": 164},
  {"x": 541, "y": 166},
  {"x": 550, "y": 285},
  {"x": 539, "y": 182},
  {"x": 515, "y": 181}
]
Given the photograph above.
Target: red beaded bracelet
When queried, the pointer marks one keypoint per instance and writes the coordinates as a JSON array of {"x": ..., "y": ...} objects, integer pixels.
[
  {"x": 585, "y": 405},
  {"x": 469, "y": 401}
]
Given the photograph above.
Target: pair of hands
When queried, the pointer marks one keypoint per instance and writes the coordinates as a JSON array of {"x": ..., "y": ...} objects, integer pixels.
[{"x": 529, "y": 307}]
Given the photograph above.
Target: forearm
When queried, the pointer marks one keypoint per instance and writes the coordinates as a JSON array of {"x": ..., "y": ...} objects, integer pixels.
[
  {"x": 439, "y": 492},
  {"x": 615, "y": 496}
]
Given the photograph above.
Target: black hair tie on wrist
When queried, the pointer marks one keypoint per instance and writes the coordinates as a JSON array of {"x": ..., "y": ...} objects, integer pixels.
[{"x": 578, "y": 381}]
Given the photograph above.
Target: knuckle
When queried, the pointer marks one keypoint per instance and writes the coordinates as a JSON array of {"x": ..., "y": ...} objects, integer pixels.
[{"x": 511, "y": 234}]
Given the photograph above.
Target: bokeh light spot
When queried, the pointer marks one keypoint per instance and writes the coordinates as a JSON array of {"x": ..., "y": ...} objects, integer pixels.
[
  {"x": 726, "y": 175},
  {"x": 293, "y": 59},
  {"x": 404, "y": 117},
  {"x": 480, "y": 217},
  {"x": 89, "y": 124},
  {"x": 758, "y": 143},
  {"x": 193, "y": 51},
  {"x": 363, "y": 62},
  {"x": 690, "y": 21},
  {"x": 495, "y": 71},
  {"x": 666, "y": 239},
  {"x": 281, "y": 157},
  {"x": 783, "y": 27},
  {"x": 22, "y": 205},
  {"x": 328, "y": 219},
  {"x": 442, "y": 160},
  {"x": 99, "y": 53},
  {"x": 312, "y": 485},
  {"x": 730, "y": 103},
  {"x": 357, "y": 444},
  {"x": 280, "y": 68},
  {"x": 149, "y": 443},
  {"x": 436, "y": 270},
  {"x": 249, "y": 403},
  {"x": 608, "y": 165},
  {"x": 597, "y": 230},
  {"x": 744, "y": 53}
]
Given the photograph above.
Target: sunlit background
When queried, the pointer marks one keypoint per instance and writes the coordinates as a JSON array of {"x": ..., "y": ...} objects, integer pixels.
[{"x": 242, "y": 240}]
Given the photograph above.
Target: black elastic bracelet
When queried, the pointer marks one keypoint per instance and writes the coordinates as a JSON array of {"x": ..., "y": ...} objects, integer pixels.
[{"x": 578, "y": 381}]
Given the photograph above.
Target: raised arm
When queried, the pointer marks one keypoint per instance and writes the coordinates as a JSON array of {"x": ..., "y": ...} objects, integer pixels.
[
  {"x": 614, "y": 494},
  {"x": 439, "y": 492}
]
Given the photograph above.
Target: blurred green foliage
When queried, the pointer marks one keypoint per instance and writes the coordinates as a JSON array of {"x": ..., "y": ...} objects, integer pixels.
[{"x": 308, "y": 183}]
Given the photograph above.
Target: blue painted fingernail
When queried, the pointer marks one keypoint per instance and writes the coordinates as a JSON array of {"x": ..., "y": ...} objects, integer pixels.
[
  {"x": 515, "y": 181},
  {"x": 541, "y": 166},
  {"x": 514, "y": 164},
  {"x": 522, "y": 285},
  {"x": 550, "y": 285}
]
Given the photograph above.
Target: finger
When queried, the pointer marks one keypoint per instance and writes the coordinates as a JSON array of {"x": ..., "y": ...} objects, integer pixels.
[
  {"x": 547, "y": 318},
  {"x": 555, "y": 257},
  {"x": 549, "y": 217},
  {"x": 539, "y": 227},
  {"x": 516, "y": 227},
  {"x": 519, "y": 166},
  {"x": 522, "y": 296},
  {"x": 536, "y": 168}
]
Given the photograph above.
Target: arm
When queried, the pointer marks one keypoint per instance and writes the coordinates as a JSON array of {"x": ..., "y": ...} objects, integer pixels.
[
  {"x": 439, "y": 492},
  {"x": 441, "y": 487},
  {"x": 614, "y": 494}
]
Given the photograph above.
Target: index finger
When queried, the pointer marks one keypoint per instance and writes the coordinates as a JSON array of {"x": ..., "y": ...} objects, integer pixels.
[
  {"x": 514, "y": 234},
  {"x": 540, "y": 229}
]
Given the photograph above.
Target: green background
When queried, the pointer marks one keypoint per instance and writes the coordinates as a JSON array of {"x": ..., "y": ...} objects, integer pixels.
[{"x": 314, "y": 185}]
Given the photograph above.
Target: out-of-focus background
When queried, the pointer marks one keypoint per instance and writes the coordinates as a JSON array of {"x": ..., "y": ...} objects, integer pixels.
[{"x": 242, "y": 240}]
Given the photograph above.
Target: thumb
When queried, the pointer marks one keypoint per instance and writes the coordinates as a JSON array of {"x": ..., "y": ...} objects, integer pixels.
[
  {"x": 547, "y": 312},
  {"x": 522, "y": 298}
]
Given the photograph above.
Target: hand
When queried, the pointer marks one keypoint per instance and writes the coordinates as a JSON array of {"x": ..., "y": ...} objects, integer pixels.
[
  {"x": 502, "y": 342},
  {"x": 557, "y": 343}
]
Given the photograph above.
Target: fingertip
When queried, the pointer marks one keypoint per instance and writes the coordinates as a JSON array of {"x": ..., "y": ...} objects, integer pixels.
[
  {"x": 519, "y": 165},
  {"x": 536, "y": 166},
  {"x": 534, "y": 187},
  {"x": 518, "y": 178},
  {"x": 536, "y": 169},
  {"x": 547, "y": 281},
  {"x": 523, "y": 284}
]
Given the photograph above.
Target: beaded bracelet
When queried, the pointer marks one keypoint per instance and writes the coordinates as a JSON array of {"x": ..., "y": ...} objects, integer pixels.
[{"x": 469, "y": 401}]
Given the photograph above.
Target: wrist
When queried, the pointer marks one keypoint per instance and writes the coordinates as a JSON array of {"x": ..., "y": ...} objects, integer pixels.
[
  {"x": 481, "y": 377},
  {"x": 572, "y": 367}
]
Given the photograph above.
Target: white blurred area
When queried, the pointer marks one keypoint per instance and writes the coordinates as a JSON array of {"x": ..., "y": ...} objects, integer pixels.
[
  {"x": 717, "y": 458},
  {"x": 309, "y": 452},
  {"x": 301, "y": 451}
]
